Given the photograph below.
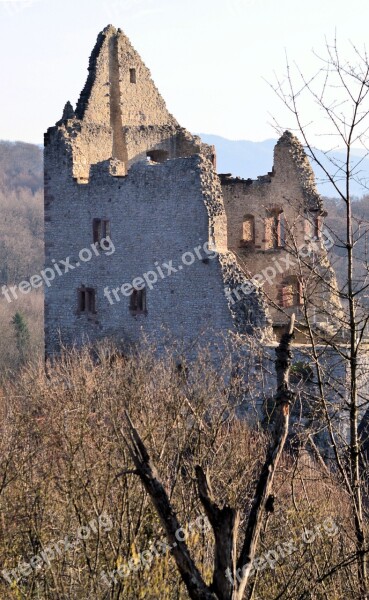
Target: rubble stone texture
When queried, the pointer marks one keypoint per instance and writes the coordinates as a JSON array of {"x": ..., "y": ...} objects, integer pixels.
[
  {"x": 123, "y": 158},
  {"x": 287, "y": 195}
]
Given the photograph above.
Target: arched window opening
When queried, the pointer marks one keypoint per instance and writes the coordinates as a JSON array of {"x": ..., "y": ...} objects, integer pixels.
[{"x": 248, "y": 231}]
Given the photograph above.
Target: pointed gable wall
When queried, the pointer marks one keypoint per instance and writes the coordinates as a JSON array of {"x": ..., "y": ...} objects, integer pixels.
[
  {"x": 94, "y": 102},
  {"x": 120, "y": 114},
  {"x": 115, "y": 61},
  {"x": 141, "y": 102},
  {"x": 165, "y": 210}
]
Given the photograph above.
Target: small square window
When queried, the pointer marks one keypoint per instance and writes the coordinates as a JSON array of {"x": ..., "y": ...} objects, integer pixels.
[
  {"x": 132, "y": 75},
  {"x": 87, "y": 300},
  {"x": 137, "y": 304},
  {"x": 100, "y": 230}
]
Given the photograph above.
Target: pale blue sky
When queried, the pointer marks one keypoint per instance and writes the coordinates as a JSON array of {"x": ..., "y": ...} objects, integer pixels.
[{"x": 207, "y": 57}]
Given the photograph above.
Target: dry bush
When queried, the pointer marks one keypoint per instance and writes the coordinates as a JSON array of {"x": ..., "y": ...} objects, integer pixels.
[{"x": 63, "y": 462}]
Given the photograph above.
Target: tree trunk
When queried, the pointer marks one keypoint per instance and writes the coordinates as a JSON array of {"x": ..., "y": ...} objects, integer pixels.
[{"x": 230, "y": 577}]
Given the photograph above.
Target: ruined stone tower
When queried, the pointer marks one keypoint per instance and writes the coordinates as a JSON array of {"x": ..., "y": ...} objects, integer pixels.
[
  {"x": 133, "y": 213},
  {"x": 275, "y": 228}
]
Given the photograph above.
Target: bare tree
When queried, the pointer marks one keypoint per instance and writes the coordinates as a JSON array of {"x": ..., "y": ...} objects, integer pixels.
[
  {"x": 230, "y": 575},
  {"x": 339, "y": 92}
]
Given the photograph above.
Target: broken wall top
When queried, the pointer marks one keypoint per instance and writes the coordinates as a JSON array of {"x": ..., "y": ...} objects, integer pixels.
[
  {"x": 289, "y": 148},
  {"x": 117, "y": 74},
  {"x": 290, "y": 165},
  {"x": 120, "y": 115}
]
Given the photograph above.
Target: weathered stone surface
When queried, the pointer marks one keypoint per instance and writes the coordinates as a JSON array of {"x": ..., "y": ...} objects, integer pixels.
[
  {"x": 68, "y": 112},
  {"x": 120, "y": 113},
  {"x": 288, "y": 196},
  {"x": 123, "y": 158}
]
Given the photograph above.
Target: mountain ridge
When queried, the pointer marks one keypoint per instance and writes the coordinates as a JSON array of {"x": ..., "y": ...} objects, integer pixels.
[{"x": 249, "y": 159}]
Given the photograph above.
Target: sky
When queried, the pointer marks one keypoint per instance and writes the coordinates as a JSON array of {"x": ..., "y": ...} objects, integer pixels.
[{"x": 212, "y": 60}]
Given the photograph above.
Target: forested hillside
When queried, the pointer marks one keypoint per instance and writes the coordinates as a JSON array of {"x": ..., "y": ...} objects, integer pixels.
[
  {"x": 21, "y": 242},
  {"x": 21, "y": 203}
]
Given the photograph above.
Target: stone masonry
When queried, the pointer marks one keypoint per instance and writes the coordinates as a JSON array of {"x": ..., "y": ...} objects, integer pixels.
[
  {"x": 120, "y": 167},
  {"x": 275, "y": 228},
  {"x": 144, "y": 239},
  {"x": 128, "y": 194}
]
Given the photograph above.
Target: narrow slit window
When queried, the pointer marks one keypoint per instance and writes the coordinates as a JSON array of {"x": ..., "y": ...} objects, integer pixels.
[
  {"x": 87, "y": 300},
  {"x": 275, "y": 230},
  {"x": 317, "y": 226},
  {"x": 282, "y": 230},
  {"x": 132, "y": 76},
  {"x": 248, "y": 231},
  {"x": 137, "y": 304},
  {"x": 100, "y": 230}
]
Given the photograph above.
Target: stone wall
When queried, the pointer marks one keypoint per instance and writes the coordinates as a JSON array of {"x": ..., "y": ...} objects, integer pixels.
[
  {"x": 286, "y": 198},
  {"x": 120, "y": 113},
  {"x": 122, "y": 158},
  {"x": 158, "y": 212},
  {"x": 307, "y": 413}
]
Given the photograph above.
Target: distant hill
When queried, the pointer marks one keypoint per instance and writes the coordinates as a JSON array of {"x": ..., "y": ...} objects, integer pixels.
[
  {"x": 249, "y": 159},
  {"x": 242, "y": 158},
  {"x": 21, "y": 166},
  {"x": 21, "y": 207}
]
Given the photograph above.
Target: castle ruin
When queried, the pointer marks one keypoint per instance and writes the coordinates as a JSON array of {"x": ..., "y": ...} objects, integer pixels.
[{"x": 156, "y": 240}]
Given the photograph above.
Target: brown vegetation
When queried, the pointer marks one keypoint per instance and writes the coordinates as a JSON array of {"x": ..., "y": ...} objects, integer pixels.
[{"x": 63, "y": 462}]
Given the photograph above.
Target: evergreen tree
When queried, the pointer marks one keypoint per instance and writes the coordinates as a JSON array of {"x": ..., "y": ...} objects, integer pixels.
[{"x": 21, "y": 335}]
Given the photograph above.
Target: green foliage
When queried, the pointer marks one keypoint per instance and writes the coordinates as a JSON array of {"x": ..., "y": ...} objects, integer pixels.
[
  {"x": 301, "y": 371},
  {"x": 22, "y": 335}
]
